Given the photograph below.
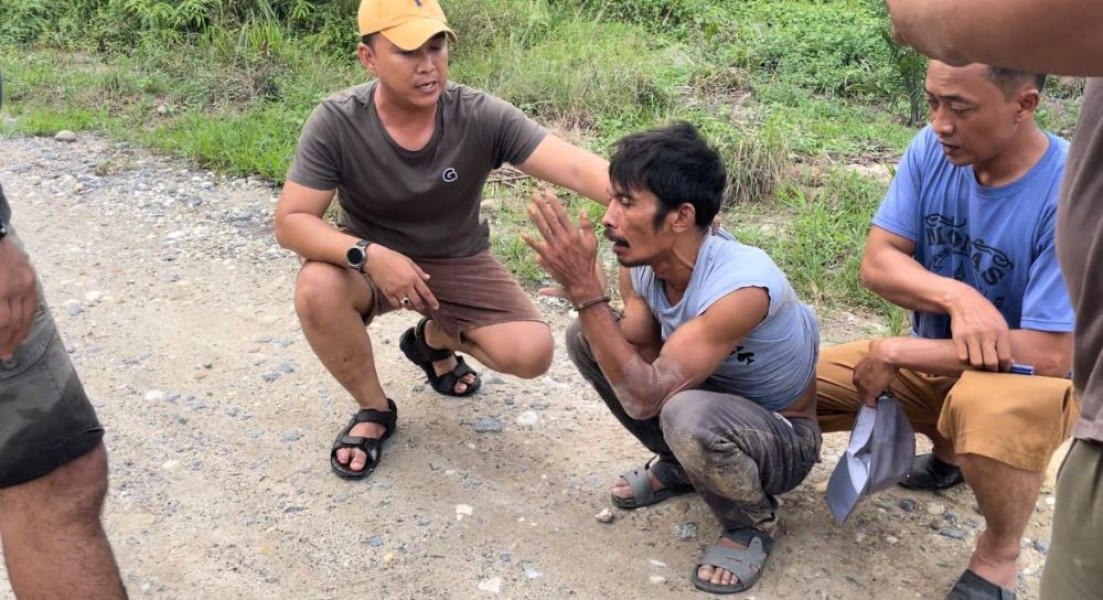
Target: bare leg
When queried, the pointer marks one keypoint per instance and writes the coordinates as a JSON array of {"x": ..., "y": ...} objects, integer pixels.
[
  {"x": 520, "y": 348},
  {"x": 1006, "y": 496},
  {"x": 54, "y": 543},
  {"x": 330, "y": 301}
]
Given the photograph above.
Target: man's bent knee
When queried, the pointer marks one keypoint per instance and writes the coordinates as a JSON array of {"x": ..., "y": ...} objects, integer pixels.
[
  {"x": 1014, "y": 420},
  {"x": 684, "y": 420},
  {"x": 320, "y": 289},
  {"x": 529, "y": 360}
]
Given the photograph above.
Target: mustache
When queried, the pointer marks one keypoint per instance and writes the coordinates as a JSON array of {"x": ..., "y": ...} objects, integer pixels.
[{"x": 612, "y": 238}]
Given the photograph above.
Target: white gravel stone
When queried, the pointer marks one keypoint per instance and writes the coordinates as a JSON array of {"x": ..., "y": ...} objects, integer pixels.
[
  {"x": 528, "y": 418},
  {"x": 492, "y": 585}
]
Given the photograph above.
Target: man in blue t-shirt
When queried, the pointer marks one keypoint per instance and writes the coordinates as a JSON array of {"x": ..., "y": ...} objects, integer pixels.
[
  {"x": 965, "y": 239},
  {"x": 712, "y": 366}
]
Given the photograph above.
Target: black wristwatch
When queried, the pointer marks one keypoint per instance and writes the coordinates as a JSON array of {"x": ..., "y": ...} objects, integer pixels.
[{"x": 357, "y": 255}]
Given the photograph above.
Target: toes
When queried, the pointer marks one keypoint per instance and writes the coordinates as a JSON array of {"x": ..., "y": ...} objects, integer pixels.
[
  {"x": 704, "y": 573},
  {"x": 359, "y": 459},
  {"x": 343, "y": 456},
  {"x": 460, "y": 387}
]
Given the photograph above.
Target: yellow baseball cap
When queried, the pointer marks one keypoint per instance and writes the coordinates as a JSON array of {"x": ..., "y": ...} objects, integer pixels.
[{"x": 406, "y": 23}]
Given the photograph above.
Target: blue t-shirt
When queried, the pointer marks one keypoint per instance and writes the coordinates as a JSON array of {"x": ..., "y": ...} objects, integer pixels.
[
  {"x": 999, "y": 240},
  {"x": 775, "y": 362}
]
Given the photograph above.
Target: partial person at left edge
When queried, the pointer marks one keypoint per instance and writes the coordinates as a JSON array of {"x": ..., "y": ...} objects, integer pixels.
[
  {"x": 53, "y": 465},
  {"x": 407, "y": 156}
]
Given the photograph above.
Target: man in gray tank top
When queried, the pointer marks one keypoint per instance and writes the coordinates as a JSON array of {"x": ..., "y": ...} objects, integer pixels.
[
  {"x": 1062, "y": 37},
  {"x": 711, "y": 366},
  {"x": 407, "y": 156}
]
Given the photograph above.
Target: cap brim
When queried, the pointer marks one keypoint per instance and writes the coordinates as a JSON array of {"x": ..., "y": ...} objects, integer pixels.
[{"x": 412, "y": 34}]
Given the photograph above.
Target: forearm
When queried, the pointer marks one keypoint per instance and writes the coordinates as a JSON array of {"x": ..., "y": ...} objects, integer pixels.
[
  {"x": 591, "y": 177},
  {"x": 901, "y": 280},
  {"x": 640, "y": 387},
  {"x": 577, "y": 169},
  {"x": 312, "y": 238},
  {"x": 940, "y": 357},
  {"x": 1065, "y": 36}
]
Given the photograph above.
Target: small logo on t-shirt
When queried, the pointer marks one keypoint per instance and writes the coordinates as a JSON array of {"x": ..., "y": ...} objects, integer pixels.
[
  {"x": 742, "y": 356},
  {"x": 449, "y": 175}
]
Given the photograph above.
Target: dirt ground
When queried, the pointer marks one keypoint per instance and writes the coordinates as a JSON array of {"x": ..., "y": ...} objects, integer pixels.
[{"x": 176, "y": 306}]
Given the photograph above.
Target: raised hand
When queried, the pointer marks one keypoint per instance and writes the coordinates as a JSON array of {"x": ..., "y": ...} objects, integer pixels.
[{"x": 568, "y": 253}]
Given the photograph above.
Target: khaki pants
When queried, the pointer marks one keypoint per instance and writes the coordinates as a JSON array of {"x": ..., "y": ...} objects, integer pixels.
[{"x": 1018, "y": 420}]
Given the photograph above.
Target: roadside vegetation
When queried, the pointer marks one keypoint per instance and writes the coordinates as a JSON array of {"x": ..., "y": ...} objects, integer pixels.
[{"x": 809, "y": 100}]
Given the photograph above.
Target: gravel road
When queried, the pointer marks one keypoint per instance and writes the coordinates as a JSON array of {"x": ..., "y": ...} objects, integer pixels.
[{"x": 175, "y": 304}]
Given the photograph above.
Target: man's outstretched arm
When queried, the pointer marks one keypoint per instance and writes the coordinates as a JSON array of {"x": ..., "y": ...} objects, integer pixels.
[
  {"x": 559, "y": 162},
  {"x": 1062, "y": 37}
]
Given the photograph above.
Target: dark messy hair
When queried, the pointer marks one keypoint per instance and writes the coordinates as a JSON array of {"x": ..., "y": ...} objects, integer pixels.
[
  {"x": 676, "y": 164},
  {"x": 1010, "y": 81}
]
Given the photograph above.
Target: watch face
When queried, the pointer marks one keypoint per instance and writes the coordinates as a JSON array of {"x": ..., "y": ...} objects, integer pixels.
[{"x": 355, "y": 257}]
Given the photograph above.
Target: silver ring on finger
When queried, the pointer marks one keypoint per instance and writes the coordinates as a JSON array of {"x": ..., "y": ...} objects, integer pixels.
[{"x": 404, "y": 301}]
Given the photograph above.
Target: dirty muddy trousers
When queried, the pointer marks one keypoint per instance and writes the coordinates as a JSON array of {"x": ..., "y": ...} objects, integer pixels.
[{"x": 737, "y": 454}]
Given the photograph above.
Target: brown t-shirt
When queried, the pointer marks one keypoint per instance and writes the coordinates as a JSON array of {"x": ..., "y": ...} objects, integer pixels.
[
  {"x": 1080, "y": 250},
  {"x": 422, "y": 203}
]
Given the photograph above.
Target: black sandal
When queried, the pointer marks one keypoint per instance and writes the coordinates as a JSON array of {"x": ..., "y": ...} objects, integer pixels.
[
  {"x": 971, "y": 586},
  {"x": 414, "y": 347},
  {"x": 372, "y": 447},
  {"x": 929, "y": 473}
]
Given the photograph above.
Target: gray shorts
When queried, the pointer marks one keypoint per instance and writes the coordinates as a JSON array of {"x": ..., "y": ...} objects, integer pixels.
[{"x": 46, "y": 419}]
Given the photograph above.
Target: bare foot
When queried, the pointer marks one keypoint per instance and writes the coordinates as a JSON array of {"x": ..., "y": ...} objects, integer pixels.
[
  {"x": 723, "y": 577},
  {"x": 359, "y": 459},
  {"x": 621, "y": 489}
]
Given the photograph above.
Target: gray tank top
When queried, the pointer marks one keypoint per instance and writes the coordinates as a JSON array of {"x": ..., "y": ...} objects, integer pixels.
[{"x": 777, "y": 359}]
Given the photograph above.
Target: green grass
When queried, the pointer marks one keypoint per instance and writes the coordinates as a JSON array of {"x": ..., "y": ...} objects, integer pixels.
[
  {"x": 816, "y": 232},
  {"x": 790, "y": 91}
]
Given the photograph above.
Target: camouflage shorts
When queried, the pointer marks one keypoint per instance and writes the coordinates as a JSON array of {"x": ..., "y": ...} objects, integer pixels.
[{"x": 45, "y": 417}]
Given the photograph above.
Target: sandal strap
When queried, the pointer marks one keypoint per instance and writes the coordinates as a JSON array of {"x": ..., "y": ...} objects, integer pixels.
[
  {"x": 748, "y": 535},
  {"x": 667, "y": 473},
  {"x": 641, "y": 486},
  {"x": 424, "y": 350},
  {"x": 370, "y": 415},
  {"x": 744, "y": 563}
]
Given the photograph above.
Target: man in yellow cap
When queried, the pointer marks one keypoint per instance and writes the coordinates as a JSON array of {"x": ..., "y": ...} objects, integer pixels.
[{"x": 408, "y": 155}]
